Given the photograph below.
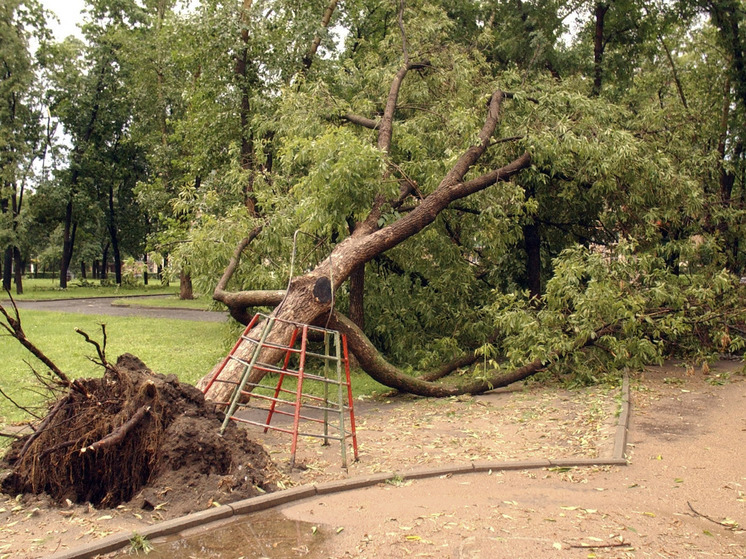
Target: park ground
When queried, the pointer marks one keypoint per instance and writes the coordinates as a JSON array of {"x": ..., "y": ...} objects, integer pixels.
[{"x": 683, "y": 493}]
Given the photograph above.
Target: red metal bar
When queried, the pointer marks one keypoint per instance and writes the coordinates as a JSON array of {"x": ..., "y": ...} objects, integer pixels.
[
  {"x": 227, "y": 357},
  {"x": 282, "y": 377},
  {"x": 349, "y": 396},
  {"x": 299, "y": 393}
]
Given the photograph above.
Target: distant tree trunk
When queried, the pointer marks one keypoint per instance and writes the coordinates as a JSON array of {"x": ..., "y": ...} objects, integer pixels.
[
  {"x": 117, "y": 260},
  {"x": 7, "y": 268},
  {"x": 95, "y": 272},
  {"x": 105, "y": 262},
  {"x": 598, "y": 47},
  {"x": 145, "y": 270},
  {"x": 82, "y": 270},
  {"x": 68, "y": 242},
  {"x": 185, "y": 286},
  {"x": 18, "y": 272},
  {"x": 246, "y": 74}
]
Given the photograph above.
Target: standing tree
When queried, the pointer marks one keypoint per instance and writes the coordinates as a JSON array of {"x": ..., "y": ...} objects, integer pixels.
[{"x": 22, "y": 133}]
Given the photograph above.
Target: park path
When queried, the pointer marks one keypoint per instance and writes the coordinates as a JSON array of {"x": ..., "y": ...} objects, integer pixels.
[{"x": 104, "y": 306}]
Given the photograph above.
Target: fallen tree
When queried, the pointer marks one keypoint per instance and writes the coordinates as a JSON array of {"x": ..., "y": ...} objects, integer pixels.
[{"x": 309, "y": 297}]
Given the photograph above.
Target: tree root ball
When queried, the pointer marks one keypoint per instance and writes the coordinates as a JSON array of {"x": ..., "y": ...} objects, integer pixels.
[{"x": 138, "y": 436}]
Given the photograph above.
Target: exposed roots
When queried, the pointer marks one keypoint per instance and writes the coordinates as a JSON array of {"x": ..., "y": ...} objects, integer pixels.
[{"x": 131, "y": 429}]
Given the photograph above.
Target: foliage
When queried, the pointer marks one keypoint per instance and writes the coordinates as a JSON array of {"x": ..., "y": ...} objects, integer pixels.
[
  {"x": 189, "y": 129},
  {"x": 650, "y": 313}
]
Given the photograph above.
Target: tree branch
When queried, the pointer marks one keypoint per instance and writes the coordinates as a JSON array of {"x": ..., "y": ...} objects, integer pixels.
[
  {"x": 14, "y": 328},
  {"x": 386, "y": 125},
  {"x": 361, "y": 121},
  {"x": 325, "y": 19},
  {"x": 374, "y": 364}
]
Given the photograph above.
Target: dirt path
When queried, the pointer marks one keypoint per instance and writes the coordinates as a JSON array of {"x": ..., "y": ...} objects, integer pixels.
[{"x": 686, "y": 447}]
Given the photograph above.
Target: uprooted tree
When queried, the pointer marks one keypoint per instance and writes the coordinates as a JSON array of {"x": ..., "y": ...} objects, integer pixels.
[
  {"x": 128, "y": 433},
  {"x": 568, "y": 159}
]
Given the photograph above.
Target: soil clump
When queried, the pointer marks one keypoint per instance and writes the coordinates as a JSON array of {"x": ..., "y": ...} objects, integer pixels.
[{"x": 134, "y": 436}]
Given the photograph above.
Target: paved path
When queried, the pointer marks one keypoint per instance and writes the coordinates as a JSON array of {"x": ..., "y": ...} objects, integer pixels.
[{"x": 103, "y": 305}]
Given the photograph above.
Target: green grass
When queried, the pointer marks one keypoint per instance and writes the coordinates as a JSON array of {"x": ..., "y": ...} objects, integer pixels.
[
  {"x": 38, "y": 289},
  {"x": 172, "y": 302},
  {"x": 185, "y": 348}
]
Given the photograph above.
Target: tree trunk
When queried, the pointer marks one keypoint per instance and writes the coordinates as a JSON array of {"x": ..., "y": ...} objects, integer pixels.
[
  {"x": 105, "y": 262},
  {"x": 18, "y": 271},
  {"x": 68, "y": 242},
  {"x": 598, "y": 47},
  {"x": 145, "y": 270},
  {"x": 357, "y": 296},
  {"x": 7, "y": 268},
  {"x": 185, "y": 286}
]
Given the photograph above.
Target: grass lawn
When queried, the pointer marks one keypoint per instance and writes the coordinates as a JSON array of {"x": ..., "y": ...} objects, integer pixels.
[
  {"x": 36, "y": 289},
  {"x": 185, "y": 348}
]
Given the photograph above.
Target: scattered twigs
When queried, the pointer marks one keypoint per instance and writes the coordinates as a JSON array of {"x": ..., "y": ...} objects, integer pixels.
[
  {"x": 100, "y": 349},
  {"x": 599, "y": 545},
  {"x": 729, "y": 526},
  {"x": 119, "y": 433}
]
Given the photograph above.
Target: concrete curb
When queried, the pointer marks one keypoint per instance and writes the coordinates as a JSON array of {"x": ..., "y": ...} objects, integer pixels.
[{"x": 116, "y": 542}]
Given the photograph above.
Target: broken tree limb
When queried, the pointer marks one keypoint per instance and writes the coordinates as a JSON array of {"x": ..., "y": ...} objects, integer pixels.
[
  {"x": 376, "y": 366},
  {"x": 119, "y": 433}
]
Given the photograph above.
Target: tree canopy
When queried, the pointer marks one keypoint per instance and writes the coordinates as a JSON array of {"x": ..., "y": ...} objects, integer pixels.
[{"x": 526, "y": 181}]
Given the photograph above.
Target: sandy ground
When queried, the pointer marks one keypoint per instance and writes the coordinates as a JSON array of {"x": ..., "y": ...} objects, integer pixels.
[{"x": 683, "y": 493}]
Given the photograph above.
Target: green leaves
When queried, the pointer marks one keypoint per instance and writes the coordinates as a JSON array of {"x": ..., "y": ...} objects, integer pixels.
[{"x": 653, "y": 313}]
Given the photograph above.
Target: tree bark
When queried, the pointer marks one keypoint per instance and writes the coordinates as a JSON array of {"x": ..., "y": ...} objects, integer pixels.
[
  {"x": 598, "y": 47},
  {"x": 68, "y": 242},
  {"x": 105, "y": 262},
  {"x": 114, "y": 236},
  {"x": 185, "y": 286},
  {"x": 357, "y": 296},
  {"x": 325, "y": 19},
  {"x": 18, "y": 270},
  {"x": 7, "y": 268}
]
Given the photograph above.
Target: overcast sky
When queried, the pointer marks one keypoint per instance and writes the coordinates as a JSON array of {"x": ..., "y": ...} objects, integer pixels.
[{"x": 69, "y": 14}]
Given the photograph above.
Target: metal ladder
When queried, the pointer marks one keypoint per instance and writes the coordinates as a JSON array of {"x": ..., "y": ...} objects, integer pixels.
[{"x": 314, "y": 410}]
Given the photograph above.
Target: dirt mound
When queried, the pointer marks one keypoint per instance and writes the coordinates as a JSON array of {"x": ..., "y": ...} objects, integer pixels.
[{"x": 133, "y": 435}]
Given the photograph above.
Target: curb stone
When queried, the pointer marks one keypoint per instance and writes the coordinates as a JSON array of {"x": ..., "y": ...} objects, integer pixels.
[{"x": 254, "y": 504}]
